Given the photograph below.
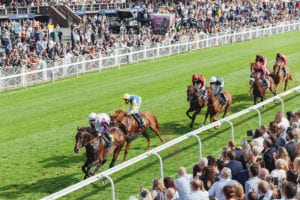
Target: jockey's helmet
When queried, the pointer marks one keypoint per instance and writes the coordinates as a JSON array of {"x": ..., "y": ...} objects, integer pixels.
[
  {"x": 278, "y": 55},
  {"x": 126, "y": 96},
  {"x": 92, "y": 116},
  {"x": 259, "y": 58},
  {"x": 213, "y": 80},
  {"x": 195, "y": 77}
]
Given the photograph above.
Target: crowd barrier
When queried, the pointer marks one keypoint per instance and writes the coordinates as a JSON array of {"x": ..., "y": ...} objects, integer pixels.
[
  {"x": 46, "y": 72},
  {"x": 166, "y": 145}
]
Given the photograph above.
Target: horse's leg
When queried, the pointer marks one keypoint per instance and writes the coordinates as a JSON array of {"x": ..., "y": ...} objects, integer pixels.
[
  {"x": 126, "y": 150},
  {"x": 285, "y": 83},
  {"x": 206, "y": 115},
  {"x": 146, "y": 135},
  {"x": 85, "y": 169},
  {"x": 155, "y": 128},
  {"x": 187, "y": 113},
  {"x": 115, "y": 156},
  {"x": 194, "y": 117}
]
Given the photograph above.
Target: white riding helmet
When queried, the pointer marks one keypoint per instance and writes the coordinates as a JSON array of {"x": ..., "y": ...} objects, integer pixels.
[
  {"x": 92, "y": 116},
  {"x": 212, "y": 80}
]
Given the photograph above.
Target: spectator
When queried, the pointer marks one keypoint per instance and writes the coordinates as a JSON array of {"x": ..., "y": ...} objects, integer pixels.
[
  {"x": 263, "y": 173},
  {"x": 252, "y": 196},
  {"x": 198, "y": 191},
  {"x": 281, "y": 138},
  {"x": 183, "y": 183},
  {"x": 217, "y": 187},
  {"x": 169, "y": 183},
  {"x": 229, "y": 192},
  {"x": 283, "y": 154},
  {"x": 145, "y": 194},
  {"x": 268, "y": 159},
  {"x": 263, "y": 190},
  {"x": 290, "y": 146},
  {"x": 288, "y": 190},
  {"x": 281, "y": 120},
  {"x": 279, "y": 172},
  {"x": 158, "y": 190},
  {"x": 252, "y": 183},
  {"x": 234, "y": 165}
]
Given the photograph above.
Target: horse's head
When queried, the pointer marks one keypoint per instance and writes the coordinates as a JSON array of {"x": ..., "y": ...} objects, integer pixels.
[
  {"x": 82, "y": 138},
  {"x": 191, "y": 93},
  {"x": 117, "y": 117}
]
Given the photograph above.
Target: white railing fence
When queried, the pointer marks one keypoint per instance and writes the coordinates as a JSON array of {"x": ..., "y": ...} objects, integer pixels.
[
  {"x": 46, "y": 72},
  {"x": 162, "y": 147}
]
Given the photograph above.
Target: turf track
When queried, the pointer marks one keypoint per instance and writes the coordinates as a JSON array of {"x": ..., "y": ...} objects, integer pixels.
[{"x": 38, "y": 123}]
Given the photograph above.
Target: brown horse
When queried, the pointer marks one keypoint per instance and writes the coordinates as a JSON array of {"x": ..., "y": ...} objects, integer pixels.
[
  {"x": 96, "y": 151},
  {"x": 131, "y": 128},
  {"x": 214, "y": 107},
  {"x": 258, "y": 89},
  {"x": 197, "y": 102},
  {"x": 278, "y": 77}
]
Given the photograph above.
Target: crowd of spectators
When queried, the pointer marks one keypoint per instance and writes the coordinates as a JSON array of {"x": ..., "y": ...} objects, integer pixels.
[
  {"x": 24, "y": 44},
  {"x": 267, "y": 166}
]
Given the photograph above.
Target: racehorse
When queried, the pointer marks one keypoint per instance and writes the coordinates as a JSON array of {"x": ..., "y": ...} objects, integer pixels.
[
  {"x": 131, "y": 128},
  {"x": 96, "y": 151},
  {"x": 197, "y": 102},
  {"x": 278, "y": 76},
  {"x": 258, "y": 89},
  {"x": 214, "y": 107}
]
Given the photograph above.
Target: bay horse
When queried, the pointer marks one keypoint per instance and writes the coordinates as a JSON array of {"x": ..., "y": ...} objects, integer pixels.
[
  {"x": 278, "y": 76},
  {"x": 131, "y": 128},
  {"x": 197, "y": 102},
  {"x": 214, "y": 108},
  {"x": 96, "y": 151},
  {"x": 258, "y": 89}
]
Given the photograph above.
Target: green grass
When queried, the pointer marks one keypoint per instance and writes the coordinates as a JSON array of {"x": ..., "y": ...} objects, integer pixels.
[{"x": 38, "y": 124}]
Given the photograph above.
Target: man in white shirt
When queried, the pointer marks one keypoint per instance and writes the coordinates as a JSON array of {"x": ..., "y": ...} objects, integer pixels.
[
  {"x": 217, "y": 187},
  {"x": 183, "y": 183}
]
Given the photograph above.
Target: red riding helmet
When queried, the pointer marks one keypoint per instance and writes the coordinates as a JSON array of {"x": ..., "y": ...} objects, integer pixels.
[{"x": 195, "y": 77}]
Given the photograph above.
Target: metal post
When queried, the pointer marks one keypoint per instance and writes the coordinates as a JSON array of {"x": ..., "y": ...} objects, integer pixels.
[
  {"x": 160, "y": 164},
  {"x": 282, "y": 104},
  {"x": 199, "y": 145},
  {"x": 259, "y": 116},
  {"x": 112, "y": 186},
  {"x": 231, "y": 125}
]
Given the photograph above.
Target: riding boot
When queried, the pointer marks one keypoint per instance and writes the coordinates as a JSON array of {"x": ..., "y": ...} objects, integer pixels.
[
  {"x": 139, "y": 119},
  {"x": 107, "y": 140},
  {"x": 141, "y": 123},
  {"x": 265, "y": 83},
  {"x": 284, "y": 71}
]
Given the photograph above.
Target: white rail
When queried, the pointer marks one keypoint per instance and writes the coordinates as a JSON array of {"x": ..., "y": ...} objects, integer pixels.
[{"x": 162, "y": 147}]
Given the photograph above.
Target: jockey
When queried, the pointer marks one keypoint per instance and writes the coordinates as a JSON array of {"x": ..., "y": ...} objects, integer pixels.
[
  {"x": 199, "y": 82},
  {"x": 100, "y": 124},
  {"x": 260, "y": 69},
  {"x": 281, "y": 61},
  {"x": 134, "y": 102},
  {"x": 217, "y": 83}
]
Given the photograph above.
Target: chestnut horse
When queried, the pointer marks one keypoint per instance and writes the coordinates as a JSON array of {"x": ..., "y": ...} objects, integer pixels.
[
  {"x": 197, "y": 102},
  {"x": 258, "y": 89},
  {"x": 96, "y": 151},
  {"x": 278, "y": 77},
  {"x": 214, "y": 107},
  {"x": 131, "y": 128}
]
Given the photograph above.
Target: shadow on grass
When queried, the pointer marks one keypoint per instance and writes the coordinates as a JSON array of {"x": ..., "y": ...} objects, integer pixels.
[
  {"x": 47, "y": 185},
  {"x": 63, "y": 160}
]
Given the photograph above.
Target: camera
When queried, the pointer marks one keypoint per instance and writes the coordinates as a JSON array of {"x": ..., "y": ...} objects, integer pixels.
[{"x": 250, "y": 133}]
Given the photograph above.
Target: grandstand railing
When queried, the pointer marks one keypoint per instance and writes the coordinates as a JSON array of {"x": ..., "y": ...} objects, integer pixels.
[
  {"x": 45, "y": 72},
  {"x": 166, "y": 145}
]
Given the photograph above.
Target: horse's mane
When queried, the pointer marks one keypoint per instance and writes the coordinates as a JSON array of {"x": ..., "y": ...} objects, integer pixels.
[{"x": 87, "y": 129}]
